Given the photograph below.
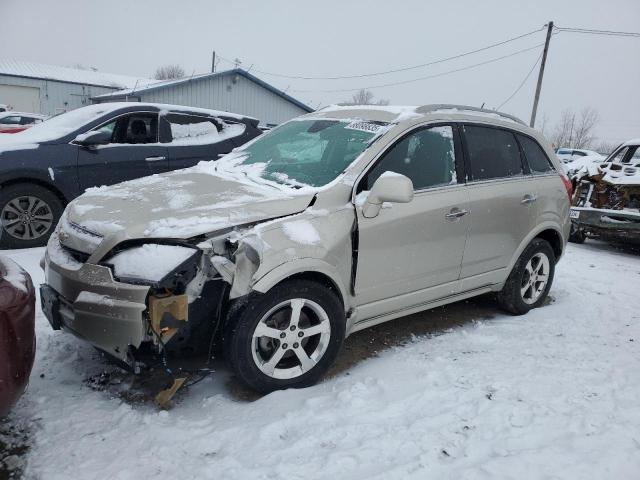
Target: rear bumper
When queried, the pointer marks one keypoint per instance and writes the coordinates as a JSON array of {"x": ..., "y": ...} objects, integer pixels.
[
  {"x": 86, "y": 301},
  {"x": 621, "y": 225}
]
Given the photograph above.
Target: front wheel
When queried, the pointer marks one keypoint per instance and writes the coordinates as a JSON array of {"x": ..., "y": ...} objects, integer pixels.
[
  {"x": 530, "y": 280},
  {"x": 28, "y": 215},
  {"x": 287, "y": 337}
]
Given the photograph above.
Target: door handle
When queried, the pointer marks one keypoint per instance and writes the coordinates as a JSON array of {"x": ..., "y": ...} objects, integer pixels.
[
  {"x": 528, "y": 199},
  {"x": 455, "y": 213},
  {"x": 155, "y": 159}
]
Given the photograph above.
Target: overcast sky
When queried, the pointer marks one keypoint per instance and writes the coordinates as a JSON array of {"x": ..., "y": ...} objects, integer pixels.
[{"x": 340, "y": 37}]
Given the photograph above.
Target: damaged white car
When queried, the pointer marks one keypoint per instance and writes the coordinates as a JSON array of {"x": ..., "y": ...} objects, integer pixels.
[{"x": 330, "y": 223}]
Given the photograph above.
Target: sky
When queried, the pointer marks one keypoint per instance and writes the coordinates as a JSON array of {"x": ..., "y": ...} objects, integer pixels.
[{"x": 342, "y": 38}]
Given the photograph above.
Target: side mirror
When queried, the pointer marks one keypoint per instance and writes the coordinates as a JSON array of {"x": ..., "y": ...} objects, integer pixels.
[
  {"x": 389, "y": 187},
  {"x": 93, "y": 138}
]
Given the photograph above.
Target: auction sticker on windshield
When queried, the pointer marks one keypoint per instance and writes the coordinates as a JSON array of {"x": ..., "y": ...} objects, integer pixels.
[
  {"x": 574, "y": 213},
  {"x": 365, "y": 126}
]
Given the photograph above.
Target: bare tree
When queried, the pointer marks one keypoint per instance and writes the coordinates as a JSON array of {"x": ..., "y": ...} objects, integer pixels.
[
  {"x": 605, "y": 147},
  {"x": 585, "y": 125},
  {"x": 576, "y": 131},
  {"x": 365, "y": 97},
  {"x": 169, "y": 72}
]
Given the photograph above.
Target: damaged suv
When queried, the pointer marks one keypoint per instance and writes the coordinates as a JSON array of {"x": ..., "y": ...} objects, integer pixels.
[
  {"x": 333, "y": 222},
  {"x": 606, "y": 203}
]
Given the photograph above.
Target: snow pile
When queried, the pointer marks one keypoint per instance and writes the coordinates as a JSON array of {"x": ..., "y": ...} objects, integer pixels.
[
  {"x": 150, "y": 262},
  {"x": 13, "y": 274},
  {"x": 553, "y": 394},
  {"x": 203, "y": 133}
]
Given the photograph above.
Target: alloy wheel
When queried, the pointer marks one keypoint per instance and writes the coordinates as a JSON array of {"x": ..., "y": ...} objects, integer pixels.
[
  {"x": 535, "y": 278},
  {"x": 26, "y": 217},
  {"x": 291, "y": 338}
]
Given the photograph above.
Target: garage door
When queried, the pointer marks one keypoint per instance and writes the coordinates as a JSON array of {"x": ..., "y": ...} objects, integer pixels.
[{"x": 21, "y": 99}]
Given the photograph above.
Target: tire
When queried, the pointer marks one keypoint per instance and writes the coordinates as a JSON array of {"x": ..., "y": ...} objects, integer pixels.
[
  {"x": 28, "y": 215},
  {"x": 577, "y": 235},
  {"x": 273, "y": 362},
  {"x": 513, "y": 297}
]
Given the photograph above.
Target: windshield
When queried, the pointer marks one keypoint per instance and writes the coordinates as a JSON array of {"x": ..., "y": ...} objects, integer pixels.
[
  {"x": 62, "y": 124},
  {"x": 310, "y": 152}
]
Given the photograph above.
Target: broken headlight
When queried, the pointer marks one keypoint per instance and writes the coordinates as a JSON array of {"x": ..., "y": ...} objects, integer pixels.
[{"x": 160, "y": 266}]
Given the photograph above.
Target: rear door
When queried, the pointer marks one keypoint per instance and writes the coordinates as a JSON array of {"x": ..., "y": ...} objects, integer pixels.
[
  {"x": 194, "y": 138},
  {"x": 411, "y": 253},
  {"x": 134, "y": 152},
  {"x": 551, "y": 192},
  {"x": 503, "y": 199}
]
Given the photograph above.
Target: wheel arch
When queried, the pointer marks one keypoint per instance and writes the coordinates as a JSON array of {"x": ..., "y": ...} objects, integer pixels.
[
  {"x": 547, "y": 231},
  {"x": 36, "y": 181},
  {"x": 308, "y": 269}
]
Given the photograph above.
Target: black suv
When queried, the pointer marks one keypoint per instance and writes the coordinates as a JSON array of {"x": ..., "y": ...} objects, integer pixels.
[{"x": 45, "y": 167}]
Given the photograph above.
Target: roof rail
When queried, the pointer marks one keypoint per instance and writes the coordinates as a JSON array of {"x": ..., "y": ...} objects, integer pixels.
[{"x": 445, "y": 106}]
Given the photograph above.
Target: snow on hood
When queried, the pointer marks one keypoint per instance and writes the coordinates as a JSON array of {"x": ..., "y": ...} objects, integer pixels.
[{"x": 186, "y": 203}]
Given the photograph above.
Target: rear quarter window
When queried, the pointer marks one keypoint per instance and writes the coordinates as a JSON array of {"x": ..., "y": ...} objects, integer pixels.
[{"x": 535, "y": 156}]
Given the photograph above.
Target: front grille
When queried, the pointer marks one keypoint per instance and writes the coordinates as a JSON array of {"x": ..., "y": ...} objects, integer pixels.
[{"x": 76, "y": 255}]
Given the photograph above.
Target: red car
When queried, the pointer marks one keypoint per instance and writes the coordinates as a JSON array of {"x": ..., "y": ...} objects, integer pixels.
[
  {"x": 14, "y": 122},
  {"x": 17, "y": 337}
]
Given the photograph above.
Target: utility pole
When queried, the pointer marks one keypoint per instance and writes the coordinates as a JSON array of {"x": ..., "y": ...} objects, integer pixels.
[
  {"x": 539, "y": 85},
  {"x": 213, "y": 62}
]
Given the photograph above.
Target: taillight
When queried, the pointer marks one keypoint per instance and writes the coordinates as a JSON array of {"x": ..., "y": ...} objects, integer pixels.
[{"x": 567, "y": 185}]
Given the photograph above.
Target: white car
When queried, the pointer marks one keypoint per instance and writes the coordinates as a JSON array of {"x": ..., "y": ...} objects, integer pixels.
[
  {"x": 579, "y": 164},
  {"x": 568, "y": 155}
]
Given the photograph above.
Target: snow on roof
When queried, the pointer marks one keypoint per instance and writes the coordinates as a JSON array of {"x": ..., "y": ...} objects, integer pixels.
[
  {"x": 634, "y": 141},
  {"x": 73, "y": 75}
]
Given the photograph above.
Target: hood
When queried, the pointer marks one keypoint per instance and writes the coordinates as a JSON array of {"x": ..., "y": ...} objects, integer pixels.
[{"x": 180, "y": 205}]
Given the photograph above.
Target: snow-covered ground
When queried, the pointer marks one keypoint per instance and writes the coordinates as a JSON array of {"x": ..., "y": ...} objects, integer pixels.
[{"x": 553, "y": 394}]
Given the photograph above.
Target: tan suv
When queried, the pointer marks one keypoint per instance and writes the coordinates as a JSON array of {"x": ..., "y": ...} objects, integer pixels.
[{"x": 328, "y": 224}]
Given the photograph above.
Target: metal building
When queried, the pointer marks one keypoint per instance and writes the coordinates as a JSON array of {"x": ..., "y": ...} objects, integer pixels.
[
  {"x": 50, "y": 89},
  {"x": 235, "y": 91}
]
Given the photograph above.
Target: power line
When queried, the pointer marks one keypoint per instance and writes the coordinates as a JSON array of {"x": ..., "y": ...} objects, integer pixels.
[
  {"x": 396, "y": 70},
  {"x": 521, "y": 84},
  {"x": 598, "y": 32},
  {"x": 422, "y": 78}
]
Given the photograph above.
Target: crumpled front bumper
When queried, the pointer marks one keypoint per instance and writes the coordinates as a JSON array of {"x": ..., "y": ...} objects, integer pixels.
[{"x": 87, "y": 301}]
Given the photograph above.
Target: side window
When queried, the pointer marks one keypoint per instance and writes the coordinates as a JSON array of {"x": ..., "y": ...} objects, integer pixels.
[
  {"x": 536, "y": 158},
  {"x": 189, "y": 129},
  {"x": 619, "y": 156},
  {"x": 136, "y": 128},
  {"x": 12, "y": 120},
  {"x": 493, "y": 153},
  {"x": 28, "y": 120},
  {"x": 427, "y": 157},
  {"x": 579, "y": 154}
]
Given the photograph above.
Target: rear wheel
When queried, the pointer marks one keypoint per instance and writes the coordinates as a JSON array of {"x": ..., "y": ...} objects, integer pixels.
[
  {"x": 530, "y": 280},
  {"x": 576, "y": 234},
  {"x": 285, "y": 338},
  {"x": 28, "y": 215}
]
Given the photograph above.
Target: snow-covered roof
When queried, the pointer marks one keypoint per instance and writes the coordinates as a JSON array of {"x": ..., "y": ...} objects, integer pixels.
[
  {"x": 20, "y": 68},
  {"x": 194, "y": 78},
  {"x": 632, "y": 142}
]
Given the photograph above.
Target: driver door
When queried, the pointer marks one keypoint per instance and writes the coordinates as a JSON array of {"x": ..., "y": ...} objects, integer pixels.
[
  {"x": 133, "y": 152},
  {"x": 411, "y": 253}
]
